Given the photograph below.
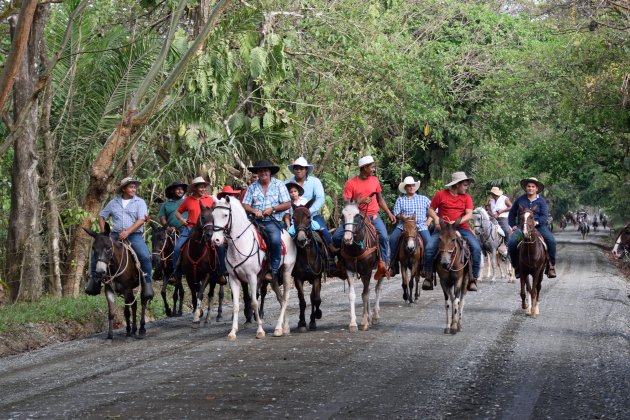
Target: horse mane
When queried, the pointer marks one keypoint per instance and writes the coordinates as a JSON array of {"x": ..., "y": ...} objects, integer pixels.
[{"x": 482, "y": 212}]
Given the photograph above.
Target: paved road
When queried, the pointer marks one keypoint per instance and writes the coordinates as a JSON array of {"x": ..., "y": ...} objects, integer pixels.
[{"x": 573, "y": 361}]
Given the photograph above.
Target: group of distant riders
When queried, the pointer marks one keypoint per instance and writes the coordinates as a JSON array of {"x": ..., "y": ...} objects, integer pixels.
[{"x": 268, "y": 200}]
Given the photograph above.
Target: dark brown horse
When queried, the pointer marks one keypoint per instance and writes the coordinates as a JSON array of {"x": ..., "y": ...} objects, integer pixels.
[
  {"x": 162, "y": 248},
  {"x": 455, "y": 271},
  {"x": 622, "y": 244},
  {"x": 532, "y": 260},
  {"x": 359, "y": 251},
  {"x": 310, "y": 264},
  {"x": 410, "y": 254},
  {"x": 116, "y": 267},
  {"x": 200, "y": 265}
]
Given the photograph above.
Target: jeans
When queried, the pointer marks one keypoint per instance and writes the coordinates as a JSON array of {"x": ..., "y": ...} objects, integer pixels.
[
  {"x": 393, "y": 238},
  {"x": 503, "y": 222},
  {"x": 381, "y": 231},
  {"x": 432, "y": 244},
  {"x": 275, "y": 237},
  {"x": 323, "y": 229},
  {"x": 183, "y": 237},
  {"x": 140, "y": 248},
  {"x": 517, "y": 236}
]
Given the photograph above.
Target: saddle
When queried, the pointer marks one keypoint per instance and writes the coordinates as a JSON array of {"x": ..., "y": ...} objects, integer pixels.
[
  {"x": 263, "y": 239},
  {"x": 370, "y": 237}
]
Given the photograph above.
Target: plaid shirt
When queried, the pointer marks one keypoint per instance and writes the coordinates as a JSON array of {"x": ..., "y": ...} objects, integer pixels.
[
  {"x": 418, "y": 204},
  {"x": 124, "y": 218},
  {"x": 277, "y": 193}
]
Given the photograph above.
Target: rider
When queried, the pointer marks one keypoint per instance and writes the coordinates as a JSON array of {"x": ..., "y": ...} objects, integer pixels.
[
  {"x": 312, "y": 186},
  {"x": 174, "y": 194},
  {"x": 533, "y": 187},
  {"x": 228, "y": 191},
  {"x": 364, "y": 186},
  {"x": 407, "y": 205},
  {"x": 192, "y": 205},
  {"x": 128, "y": 213},
  {"x": 267, "y": 199},
  {"x": 500, "y": 206},
  {"x": 452, "y": 203}
]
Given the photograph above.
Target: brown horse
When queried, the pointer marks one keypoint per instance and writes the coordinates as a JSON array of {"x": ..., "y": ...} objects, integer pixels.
[
  {"x": 455, "y": 271},
  {"x": 200, "y": 264},
  {"x": 162, "y": 248},
  {"x": 310, "y": 263},
  {"x": 359, "y": 251},
  {"x": 410, "y": 254},
  {"x": 118, "y": 269},
  {"x": 532, "y": 260},
  {"x": 622, "y": 244}
]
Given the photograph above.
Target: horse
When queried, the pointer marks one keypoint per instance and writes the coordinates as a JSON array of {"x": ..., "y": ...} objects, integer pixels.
[
  {"x": 162, "y": 248},
  {"x": 119, "y": 270},
  {"x": 360, "y": 255},
  {"x": 604, "y": 222},
  {"x": 584, "y": 228},
  {"x": 503, "y": 260},
  {"x": 622, "y": 243},
  {"x": 199, "y": 263},
  {"x": 563, "y": 222},
  {"x": 410, "y": 254},
  {"x": 489, "y": 238},
  {"x": 454, "y": 269},
  {"x": 595, "y": 224},
  {"x": 532, "y": 260},
  {"x": 245, "y": 261},
  {"x": 310, "y": 264}
]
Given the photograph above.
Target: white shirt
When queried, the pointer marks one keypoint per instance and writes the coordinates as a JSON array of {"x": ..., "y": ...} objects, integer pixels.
[{"x": 498, "y": 205}]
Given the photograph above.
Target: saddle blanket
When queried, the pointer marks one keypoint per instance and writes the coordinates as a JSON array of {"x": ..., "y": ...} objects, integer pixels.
[{"x": 263, "y": 244}]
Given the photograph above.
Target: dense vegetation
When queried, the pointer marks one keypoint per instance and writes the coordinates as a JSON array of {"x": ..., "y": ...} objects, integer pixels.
[{"x": 501, "y": 90}]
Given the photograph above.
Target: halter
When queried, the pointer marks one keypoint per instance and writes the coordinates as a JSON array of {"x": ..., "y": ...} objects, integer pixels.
[
  {"x": 167, "y": 238},
  {"x": 454, "y": 254},
  {"x": 482, "y": 231},
  {"x": 353, "y": 231}
]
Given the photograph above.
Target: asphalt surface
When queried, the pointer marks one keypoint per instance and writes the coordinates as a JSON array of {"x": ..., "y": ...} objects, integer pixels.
[{"x": 572, "y": 361}]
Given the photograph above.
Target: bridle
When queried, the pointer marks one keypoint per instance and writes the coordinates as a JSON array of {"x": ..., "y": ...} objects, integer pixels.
[
  {"x": 109, "y": 251},
  {"x": 358, "y": 228},
  {"x": 226, "y": 231}
]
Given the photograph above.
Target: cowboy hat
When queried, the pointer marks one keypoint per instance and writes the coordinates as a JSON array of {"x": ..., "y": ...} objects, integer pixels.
[
  {"x": 365, "y": 160},
  {"x": 168, "y": 190},
  {"x": 526, "y": 181},
  {"x": 496, "y": 191},
  {"x": 290, "y": 185},
  {"x": 264, "y": 164},
  {"x": 408, "y": 181},
  {"x": 228, "y": 190},
  {"x": 301, "y": 161},
  {"x": 457, "y": 177},
  {"x": 127, "y": 181},
  {"x": 199, "y": 180}
]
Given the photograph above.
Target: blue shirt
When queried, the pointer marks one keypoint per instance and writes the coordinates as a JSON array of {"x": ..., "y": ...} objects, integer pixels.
[
  {"x": 540, "y": 214},
  {"x": 124, "y": 218},
  {"x": 312, "y": 188},
  {"x": 417, "y": 204},
  {"x": 277, "y": 194}
]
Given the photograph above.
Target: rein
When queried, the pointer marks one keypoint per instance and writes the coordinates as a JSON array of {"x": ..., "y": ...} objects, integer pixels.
[
  {"x": 121, "y": 269},
  {"x": 227, "y": 232}
]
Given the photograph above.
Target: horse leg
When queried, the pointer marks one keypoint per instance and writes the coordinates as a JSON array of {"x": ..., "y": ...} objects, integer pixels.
[
  {"x": 455, "y": 293},
  {"x": 316, "y": 301},
  {"x": 376, "y": 313},
  {"x": 523, "y": 291},
  {"x": 143, "y": 310},
  {"x": 235, "y": 287},
  {"x": 198, "y": 314},
  {"x": 220, "y": 308},
  {"x": 127, "y": 312},
  {"x": 262, "y": 293},
  {"x": 260, "y": 332},
  {"x": 405, "y": 282},
  {"x": 247, "y": 299},
  {"x": 283, "y": 320},
  {"x": 134, "y": 314},
  {"x": 447, "y": 305},
  {"x": 365, "y": 296},
  {"x": 212, "y": 284},
  {"x": 492, "y": 262},
  {"x": 163, "y": 294},
  {"x": 352, "y": 297},
  {"x": 299, "y": 286},
  {"x": 193, "y": 298},
  {"x": 179, "y": 286}
]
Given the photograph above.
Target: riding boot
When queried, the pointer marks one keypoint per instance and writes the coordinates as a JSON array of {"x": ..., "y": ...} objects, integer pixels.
[
  {"x": 427, "y": 284},
  {"x": 147, "y": 290},
  {"x": 222, "y": 279},
  {"x": 551, "y": 271},
  {"x": 331, "y": 267},
  {"x": 341, "y": 269},
  {"x": 381, "y": 271},
  {"x": 472, "y": 285},
  {"x": 93, "y": 288}
]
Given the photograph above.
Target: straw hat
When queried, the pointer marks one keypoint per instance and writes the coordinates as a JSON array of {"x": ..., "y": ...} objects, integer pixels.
[
  {"x": 496, "y": 191},
  {"x": 264, "y": 164},
  {"x": 365, "y": 160},
  {"x": 457, "y": 177},
  {"x": 295, "y": 185},
  {"x": 228, "y": 190},
  {"x": 301, "y": 161},
  {"x": 199, "y": 180},
  {"x": 127, "y": 181},
  {"x": 526, "y": 181},
  {"x": 408, "y": 181}
]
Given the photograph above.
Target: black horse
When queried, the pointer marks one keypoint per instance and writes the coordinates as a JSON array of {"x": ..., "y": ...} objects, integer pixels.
[{"x": 163, "y": 246}]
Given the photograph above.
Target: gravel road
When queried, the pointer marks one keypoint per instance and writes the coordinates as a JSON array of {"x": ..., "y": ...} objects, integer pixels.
[{"x": 573, "y": 361}]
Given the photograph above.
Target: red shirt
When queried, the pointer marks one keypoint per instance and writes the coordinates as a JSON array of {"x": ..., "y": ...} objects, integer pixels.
[
  {"x": 451, "y": 207},
  {"x": 191, "y": 205},
  {"x": 356, "y": 187}
]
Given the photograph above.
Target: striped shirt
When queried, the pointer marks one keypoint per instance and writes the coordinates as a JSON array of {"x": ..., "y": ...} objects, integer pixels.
[
  {"x": 124, "y": 217},
  {"x": 277, "y": 193},
  {"x": 407, "y": 206}
]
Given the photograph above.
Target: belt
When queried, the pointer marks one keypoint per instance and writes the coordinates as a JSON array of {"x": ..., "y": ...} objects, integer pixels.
[{"x": 373, "y": 217}]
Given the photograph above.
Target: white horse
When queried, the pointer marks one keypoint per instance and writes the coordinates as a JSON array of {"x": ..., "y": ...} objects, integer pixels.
[
  {"x": 490, "y": 238},
  {"x": 360, "y": 253},
  {"x": 245, "y": 261}
]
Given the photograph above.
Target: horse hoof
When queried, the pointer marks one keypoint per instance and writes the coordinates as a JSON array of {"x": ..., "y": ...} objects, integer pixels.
[
  {"x": 376, "y": 321},
  {"x": 405, "y": 296},
  {"x": 312, "y": 326},
  {"x": 302, "y": 329},
  {"x": 248, "y": 321},
  {"x": 447, "y": 330},
  {"x": 258, "y": 335},
  {"x": 232, "y": 337},
  {"x": 142, "y": 332},
  {"x": 110, "y": 336},
  {"x": 128, "y": 334},
  {"x": 459, "y": 328},
  {"x": 168, "y": 312},
  {"x": 318, "y": 314},
  {"x": 219, "y": 318},
  {"x": 177, "y": 315},
  {"x": 277, "y": 332},
  {"x": 195, "y": 326},
  {"x": 453, "y": 331},
  {"x": 524, "y": 306},
  {"x": 353, "y": 328},
  {"x": 364, "y": 327}
]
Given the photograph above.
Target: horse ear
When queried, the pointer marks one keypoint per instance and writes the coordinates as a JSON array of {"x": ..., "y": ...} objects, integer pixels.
[
  {"x": 458, "y": 221},
  {"x": 413, "y": 216},
  {"x": 227, "y": 198},
  {"x": 201, "y": 206},
  {"x": 521, "y": 208},
  {"x": 311, "y": 201},
  {"x": 535, "y": 207},
  {"x": 358, "y": 198},
  {"x": 107, "y": 229},
  {"x": 442, "y": 224},
  {"x": 90, "y": 232}
]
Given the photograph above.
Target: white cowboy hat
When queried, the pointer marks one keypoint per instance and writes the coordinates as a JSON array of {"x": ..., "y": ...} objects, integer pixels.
[
  {"x": 301, "y": 161},
  {"x": 199, "y": 180},
  {"x": 127, "y": 181},
  {"x": 496, "y": 191},
  {"x": 365, "y": 160},
  {"x": 457, "y": 177},
  {"x": 408, "y": 181},
  {"x": 526, "y": 181}
]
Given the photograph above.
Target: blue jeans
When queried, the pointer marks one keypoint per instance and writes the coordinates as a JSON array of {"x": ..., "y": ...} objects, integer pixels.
[
  {"x": 323, "y": 229},
  {"x": 381, "y": 231},
  {"x": 393, "y": 238},
  {"x": 517, "y": 236},
  {"x": 181, "y": 240},
  {"x": 473, "y": 243},
  {"x": 140, "y": 248},
  {"x": 503, "y": 222},
  {"x": 275, "y": 237}
]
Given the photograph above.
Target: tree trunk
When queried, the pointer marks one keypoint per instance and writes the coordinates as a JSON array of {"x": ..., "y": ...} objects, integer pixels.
[{"x": 24, "y": 274}]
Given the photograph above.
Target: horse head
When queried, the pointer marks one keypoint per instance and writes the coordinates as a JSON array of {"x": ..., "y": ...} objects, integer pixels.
[
  {"x": 448, "y": 242},
  {"x": 206, "y": 222},
  {"x": 158, "y": 241},
  {"x": 622, "y": 244},
  {"x": 352, "y": 221},
  {"x": 103, "y": 248},
  {"x": 302, "y": 222},
  {"x": 221, "y": 214},
  {"x": 410, "y": 230},
  {"x": 528, "y": 224}
]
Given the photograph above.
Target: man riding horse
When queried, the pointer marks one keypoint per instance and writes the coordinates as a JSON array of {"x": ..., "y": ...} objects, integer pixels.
[
  {"x": 174, "y": 194},
  {"x": 532, "y": 199},
  {"x": 451, "y": 204},
  {"x": 267, "y": 199},
  {"x": 362, "y": 188},
  {"x": 500, "y": 206}
]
